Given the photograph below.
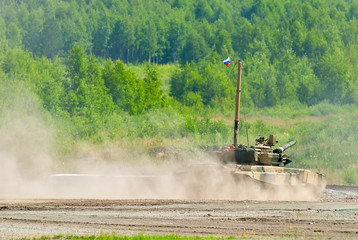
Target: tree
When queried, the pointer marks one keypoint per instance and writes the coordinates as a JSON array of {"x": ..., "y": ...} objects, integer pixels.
[
  {"x": 51, "y": 38},
  {"x": 223, "y": 43},
  {"x": 185, "y": 80},
  {"x": 102, "y": 32},
  {"x": 77, "y": 66},
  {"x": 287, "y": 76},
  {"x": 259, "y": 73},
  {"x": 298, "y": 35},
  {"x": 332, "y": 71},
  {"x": 126, "y": 89},
  {"x": 72, "y": 27},
  {"x": 195, "y": 47},
  {"x": 3, "y": 40},
  {"x": 93, "y": 95},
  {"x": 309, "y": 88},
  {"x": 208, "y": 80},
  {"x": 151, "y": 40},
  {"x": 86, "y": 82},
  {"x": 153, "y": 93},
  {"x": 203, "y": 10},
  {"x": 122, "y": 39},
  {"x": 33, "y": 27},
  {"x": 177, "y": 33},
  {"x": 13, "y": 35},
  {"x": 48, "y": 82}
]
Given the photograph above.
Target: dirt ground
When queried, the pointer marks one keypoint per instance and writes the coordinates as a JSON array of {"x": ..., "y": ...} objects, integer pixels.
[{"x": 335, "y": 215}]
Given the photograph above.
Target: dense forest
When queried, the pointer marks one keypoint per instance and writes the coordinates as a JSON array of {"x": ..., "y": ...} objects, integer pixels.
[
  {"x": 76, "y": 63},
  {"x": 295, "y": 50}
]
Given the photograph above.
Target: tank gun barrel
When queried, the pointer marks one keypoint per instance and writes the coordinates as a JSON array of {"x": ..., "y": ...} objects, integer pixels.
[{"x": 284, "y": 147}]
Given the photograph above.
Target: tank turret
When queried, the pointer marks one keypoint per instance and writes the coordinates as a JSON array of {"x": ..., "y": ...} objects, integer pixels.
[{"x": 259, "y": 154}]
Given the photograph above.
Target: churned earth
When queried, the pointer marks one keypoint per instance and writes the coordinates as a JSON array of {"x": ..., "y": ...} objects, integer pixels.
[{"x": 335, "y": 215}]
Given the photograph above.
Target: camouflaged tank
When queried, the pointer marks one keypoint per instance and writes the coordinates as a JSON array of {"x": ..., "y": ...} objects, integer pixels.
[{"x": 263, "y": 164}]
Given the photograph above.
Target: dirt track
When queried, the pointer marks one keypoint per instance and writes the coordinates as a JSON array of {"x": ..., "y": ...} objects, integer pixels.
[{"x": 335, "y": 215}]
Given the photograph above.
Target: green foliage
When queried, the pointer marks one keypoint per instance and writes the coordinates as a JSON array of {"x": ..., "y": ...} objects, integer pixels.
[
  {"x": 126, "y": 89},
  {"x": 88, "y": 101},
  {"x": 13, "y": 35},
  {"x": 213, "y": 131},
  {"x": 17, "y": 100},
  {"x": 76, "y": 66},
  {"x": 307, "y": 49},
  {"x": 3, "y": 40},
  {"x": 153, "y": 94},
  {"x": 300, "y": 60},
  {"x": 202, "y": 84}
]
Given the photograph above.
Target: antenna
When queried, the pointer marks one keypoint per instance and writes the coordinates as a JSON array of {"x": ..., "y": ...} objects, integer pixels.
[{"x": 237, "y": 109}]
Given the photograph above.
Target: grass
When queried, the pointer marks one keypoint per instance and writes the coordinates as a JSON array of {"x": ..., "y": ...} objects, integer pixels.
[{"x": 135, "y": 237}]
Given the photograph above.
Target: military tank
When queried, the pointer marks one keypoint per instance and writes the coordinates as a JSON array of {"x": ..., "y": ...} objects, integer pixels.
[{"x": 264, "y": 165}]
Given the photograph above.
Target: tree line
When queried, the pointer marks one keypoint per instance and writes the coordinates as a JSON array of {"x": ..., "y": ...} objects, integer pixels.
[{"x": 74, "y": 53}]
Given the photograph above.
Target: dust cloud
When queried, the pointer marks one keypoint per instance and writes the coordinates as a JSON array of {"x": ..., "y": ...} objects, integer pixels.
[{"x": 30, "y": 169}]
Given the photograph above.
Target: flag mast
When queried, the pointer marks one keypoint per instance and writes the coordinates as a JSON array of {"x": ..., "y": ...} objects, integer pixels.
[{"x": 237, "y": 109}]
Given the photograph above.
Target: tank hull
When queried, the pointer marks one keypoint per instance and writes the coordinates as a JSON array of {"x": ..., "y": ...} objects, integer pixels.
[
  {"x": 281, "y": 175},
  {"x": 280, "y": 183},
  {"x": 253, "y": 182}
]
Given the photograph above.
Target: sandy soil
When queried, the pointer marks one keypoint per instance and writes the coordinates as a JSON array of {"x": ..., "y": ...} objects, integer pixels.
[{"x": 335, "y": 215}]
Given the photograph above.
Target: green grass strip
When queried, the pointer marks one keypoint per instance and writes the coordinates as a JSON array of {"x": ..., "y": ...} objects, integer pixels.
[{"x": 114, "y": 236}]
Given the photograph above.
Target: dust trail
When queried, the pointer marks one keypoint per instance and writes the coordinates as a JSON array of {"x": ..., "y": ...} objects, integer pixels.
[
  {"x": 25, "y": 153},
  {"x": 114, "y": 173},
  {"x": 28, "y": 168}
]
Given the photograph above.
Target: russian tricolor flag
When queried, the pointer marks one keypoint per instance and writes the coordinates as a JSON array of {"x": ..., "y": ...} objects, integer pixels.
[{"x": 227, "y": 61}]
